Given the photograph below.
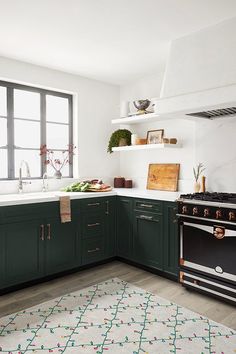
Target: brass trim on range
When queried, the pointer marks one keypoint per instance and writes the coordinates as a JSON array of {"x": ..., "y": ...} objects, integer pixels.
[
  {"x": 181, "y": 277},
  {"x": 181, "y": 261}
]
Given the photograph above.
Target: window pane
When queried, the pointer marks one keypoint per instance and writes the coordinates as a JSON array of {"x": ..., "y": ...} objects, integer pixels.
[
  {"x": 65, "y": 170},
  {"x": 3, "y": 163},
  {"x": 57, "y": 136},
  {"x": 3, "y": 101},
  {"x": 26, "y": 104},
  {"x": 3, "y": 131},
  {"x": 27, "y": 134},
  {"x": 33, "y": 159},
  {"x": 57, "y": 109}
]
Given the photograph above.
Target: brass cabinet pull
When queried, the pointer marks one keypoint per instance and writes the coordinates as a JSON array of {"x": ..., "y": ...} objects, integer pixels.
[
  {"x": 145, "y": 217},
  {"x": 95, "y": 224},
  {"x": 42, "y": 232},
  {"x": 175, "y": 221},
  {"x": 93, "y": 204},
  {"x": 107, "y": 210},
  {"x": 94, "y": 250},
  {"x": 49, "y": 231},
  {"x": 146, "y": 205}
]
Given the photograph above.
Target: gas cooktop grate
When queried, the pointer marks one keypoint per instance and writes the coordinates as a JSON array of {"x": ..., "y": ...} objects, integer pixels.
[{"x": 212, "y": 197}]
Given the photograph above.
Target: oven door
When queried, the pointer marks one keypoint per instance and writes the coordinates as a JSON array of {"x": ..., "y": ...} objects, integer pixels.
[{"x": 209, "y": 248}]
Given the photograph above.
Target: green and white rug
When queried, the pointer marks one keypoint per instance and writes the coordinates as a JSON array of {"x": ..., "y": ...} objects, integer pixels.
[{"x": 112, "y": 317}]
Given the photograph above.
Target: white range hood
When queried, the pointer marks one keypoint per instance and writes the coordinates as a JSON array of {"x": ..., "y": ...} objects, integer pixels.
[
  {"x": 208, "y": 104},
  {"x": 200, "y": 77}
]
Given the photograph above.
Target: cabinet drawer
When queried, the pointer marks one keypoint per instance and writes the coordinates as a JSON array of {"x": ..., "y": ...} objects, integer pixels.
[
  {"x": 93, "y": 225},
  {"x": 148, "y": 216},
  {"x": 93, "y": 250},
  {"x": 148, "y": 205},
  {"x": 93, "y": 205}
]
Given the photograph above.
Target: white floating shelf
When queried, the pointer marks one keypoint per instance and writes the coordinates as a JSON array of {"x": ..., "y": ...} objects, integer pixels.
[
  {"x": 146, "y": 147},
  {"x": 142, "y": 118}
]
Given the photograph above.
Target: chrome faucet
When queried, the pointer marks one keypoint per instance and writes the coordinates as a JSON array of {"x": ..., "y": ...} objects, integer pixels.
[
  {"x": 45, "y": 185},
  {"x": 20, "y": 183}
]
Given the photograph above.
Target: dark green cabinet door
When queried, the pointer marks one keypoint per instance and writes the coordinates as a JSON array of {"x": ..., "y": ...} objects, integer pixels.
[
  {"x": 110, "y": 227},
  {"x": 148, "y": 235},
  {"x": 170, "y": 239},
  {"x": 124, "y": 227},
  {"x": 62, "y": 248},
  {"x": 22, "y": 255}
]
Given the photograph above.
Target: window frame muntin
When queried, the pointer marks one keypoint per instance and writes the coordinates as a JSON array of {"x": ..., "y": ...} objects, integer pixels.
[{"x": 10, "y": 147}]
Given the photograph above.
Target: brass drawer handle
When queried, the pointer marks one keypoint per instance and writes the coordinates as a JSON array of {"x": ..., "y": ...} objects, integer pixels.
[
  {"x": 49, "y": 232},
  {"x": 95, "y": 224},
  {"x": 93, "y": 204},
  {"x": 175, "y": 221},
  {"x": 94, "y": 250},
  {"x": 145, "y": 217},
  {"x": 146, "y": 205},
  {"x": 42, "y": 232}
]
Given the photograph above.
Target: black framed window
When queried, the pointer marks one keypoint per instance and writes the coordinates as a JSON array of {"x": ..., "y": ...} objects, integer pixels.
[{"x": 29, "y": 118}]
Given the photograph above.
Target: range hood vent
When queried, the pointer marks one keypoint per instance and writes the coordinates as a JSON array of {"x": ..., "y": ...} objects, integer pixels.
[{"x": 215, "y": 113}]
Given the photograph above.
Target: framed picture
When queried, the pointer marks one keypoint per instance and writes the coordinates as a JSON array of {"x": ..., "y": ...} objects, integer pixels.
[{"x": 155, "y": 136}]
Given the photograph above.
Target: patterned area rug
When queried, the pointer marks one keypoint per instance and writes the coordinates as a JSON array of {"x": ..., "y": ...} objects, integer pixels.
[{"x": 112, "y": 317}]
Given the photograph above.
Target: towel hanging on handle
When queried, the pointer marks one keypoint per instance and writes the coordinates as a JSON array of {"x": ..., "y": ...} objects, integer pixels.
[{"x": 65, "y": 209}]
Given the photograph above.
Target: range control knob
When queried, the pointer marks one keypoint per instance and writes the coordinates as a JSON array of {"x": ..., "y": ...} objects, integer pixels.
[
  {"x": 232, "y": 216},
  {"x": 218, "y": 214},
  {"x": 195, "y": 211},
  {"x": 206, "y": 212},
  {"x": 184, "y": 209}
]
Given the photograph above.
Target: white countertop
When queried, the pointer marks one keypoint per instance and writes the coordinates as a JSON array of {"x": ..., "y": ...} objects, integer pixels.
[{"x": 42, "y": 197}]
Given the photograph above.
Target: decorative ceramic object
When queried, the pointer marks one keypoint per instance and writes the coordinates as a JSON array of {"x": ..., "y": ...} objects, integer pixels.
[
  {"x": 197, "y": 173},
  {"x": 134, "y": 137},
  {"x": 197, "y": 187},
  {"x": 58, "y": 175},
  {"x": 141, "y": 105},
  {"x": 124, "y": 109}
]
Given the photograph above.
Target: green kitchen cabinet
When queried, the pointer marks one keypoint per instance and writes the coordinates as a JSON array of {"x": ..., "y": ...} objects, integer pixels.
[
  {"x": 170, "y": 239},
  {"x": 61, "y": 245},
  {"x": 98, "y": 229},
  {"x": 148, "y": 239},
  {"x": 22, "y": 252},
  {"x": 125, "y": 227},
  {"x": 110, "y": 225}
]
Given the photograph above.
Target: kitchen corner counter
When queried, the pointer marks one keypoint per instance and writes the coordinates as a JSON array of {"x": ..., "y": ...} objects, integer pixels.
[
  {"x": 42, "y": 197},
  {"x": 147, "y": 194}
]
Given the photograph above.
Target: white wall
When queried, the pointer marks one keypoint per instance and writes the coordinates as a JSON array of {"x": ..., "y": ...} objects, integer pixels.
[
  {"x": 97, "y": 104},
  {"x": 203, "y": 60}
]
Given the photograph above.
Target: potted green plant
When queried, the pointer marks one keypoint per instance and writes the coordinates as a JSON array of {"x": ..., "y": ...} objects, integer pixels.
[{"x": 120, "y": 137}]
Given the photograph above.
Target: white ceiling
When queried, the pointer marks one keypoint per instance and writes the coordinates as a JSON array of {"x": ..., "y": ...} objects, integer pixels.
[{"x": 117, "y": 41}]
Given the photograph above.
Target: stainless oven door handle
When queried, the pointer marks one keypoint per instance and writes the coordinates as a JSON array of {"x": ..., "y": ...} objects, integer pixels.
[{"x": 210, "y": 229}]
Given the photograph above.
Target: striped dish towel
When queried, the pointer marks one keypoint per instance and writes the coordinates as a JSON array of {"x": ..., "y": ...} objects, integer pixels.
[{"x": 65, "y": 209}]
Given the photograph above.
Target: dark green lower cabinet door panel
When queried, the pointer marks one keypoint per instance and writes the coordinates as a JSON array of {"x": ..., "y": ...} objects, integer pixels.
[
  {"x": 23, "y": 253},
  {"x": 93, "y": 250},
  {"x": 124, "y": 227},
  {"x": 170, "y": 239},
  {"x": 61, "y": 246},
  {"x": 110, "y": 227},
  {"x": 148, "y": 235}
]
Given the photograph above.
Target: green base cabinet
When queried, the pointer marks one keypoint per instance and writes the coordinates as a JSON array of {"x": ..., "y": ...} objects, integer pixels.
[
  {"x": 170, "y": 239},
  {"x": 125, "y": 227},
  {"x": 148, "y": 238},
  {"x": 61, "y": 246},
  {"x": 98, "y": 229},
  {"x": 21, "y": 254}
]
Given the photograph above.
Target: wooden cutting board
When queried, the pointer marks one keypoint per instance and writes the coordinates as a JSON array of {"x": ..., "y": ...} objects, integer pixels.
[{"x": 163, "y": 177}]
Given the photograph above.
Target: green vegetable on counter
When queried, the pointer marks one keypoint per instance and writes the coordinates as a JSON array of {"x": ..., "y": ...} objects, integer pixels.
[{"x": 78, "y": 187}]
